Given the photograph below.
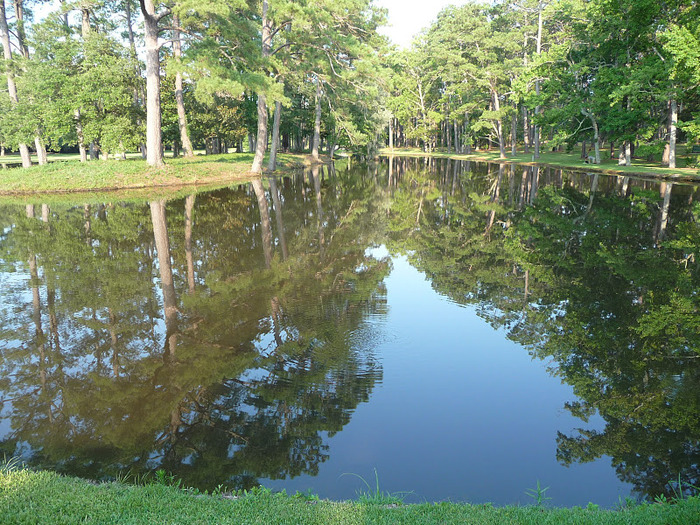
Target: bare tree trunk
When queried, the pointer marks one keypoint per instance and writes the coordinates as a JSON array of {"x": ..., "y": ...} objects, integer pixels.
[
  {"x": 317, "y": 121},
  {"x": 499, "y": 123},
  {"x": 81, "y": 137},
  {"x": 261, "y": 144},
  {"x": 11, "y": 87},
  {"x": 154, "y": 139},
  {"x": 526, "y": 130},
  {"x": 514, "y": 133},
  {"x": 272, "y": 166},
  {"x": 40, "y": 150},
  {"x": 672, "y": 134},
  {"x": 596, "y": 133},
  {"x": 391, "y": 133},
  {"x": 179, "y": 96},
  {"x": 456, "y": 134}
]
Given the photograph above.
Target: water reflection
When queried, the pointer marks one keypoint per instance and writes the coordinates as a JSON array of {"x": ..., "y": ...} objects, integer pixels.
[
  {"x": 224, "y": 336},
  {"x": 598, "y": 274},
  {"x": 188, "y": 341}
]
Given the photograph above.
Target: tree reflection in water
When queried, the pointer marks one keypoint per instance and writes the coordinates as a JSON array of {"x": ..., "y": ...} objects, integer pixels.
[{"x": 216, "y": 337}]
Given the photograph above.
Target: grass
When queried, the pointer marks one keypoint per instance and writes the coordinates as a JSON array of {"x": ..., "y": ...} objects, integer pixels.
[
  {"x": 572, "y": 161},
  {"x": 61, "y": 176},
  {"x": 28, "y": 497}
]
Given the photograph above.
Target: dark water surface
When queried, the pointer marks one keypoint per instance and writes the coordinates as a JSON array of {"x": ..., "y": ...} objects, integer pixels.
[{"x": 464, "y": 329}]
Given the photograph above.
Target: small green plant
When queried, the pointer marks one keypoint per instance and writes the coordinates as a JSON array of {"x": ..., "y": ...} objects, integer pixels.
[
  {"x": 680, "y": 491},
  {"x": 626, "y": 504},
  {"x": 255, "y": 492},
  {"x": 163, "y": 478},
  {"x": 10, "y": 464},
  {"x": 375, "y": 495},
  {"x": 307, "y": 495},
  {"x": 538, "y": 494}
]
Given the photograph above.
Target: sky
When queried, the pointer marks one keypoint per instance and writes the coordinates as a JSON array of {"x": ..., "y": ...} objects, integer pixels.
[{"x": 408, "y": 17}]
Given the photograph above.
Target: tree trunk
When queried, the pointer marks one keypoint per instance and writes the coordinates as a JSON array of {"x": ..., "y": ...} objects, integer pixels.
[
  {"x": 266, "y": 226},
  {"x": 261, "y": 144},
  {"x": 596, "y": 133},
  {"x": 319, "y": 208},
  {"x": 21, "y": 33},
  {"x": 391, "y": 133},
  {"x": 272, "y": 166},
  {"x": 11, "y": 87},
  {"x": 456, "y": 134},
  {"x": 277, "y": 202},
  {"x": 499, "y": 123},
  {"x": 526, "y": 130},
  {"x": 665, "y": 190},
  {"x": 189, "y": 209},
  {"x": 40, "y": 150},
  {"x": 467, "y": 133},
  {"x": 85, "y": 21},
  {"x": 673, "y": 124},
  {"x": 536, "y": 127},
  {"x": 154, "y": 140},
  {"x": 179, "y": 97},
  {"x": 514, "y": 133},
  {"x": 317, "y": 121},
  {"x": 81, "y": 138},
  {"x": 160, "y": 234}
]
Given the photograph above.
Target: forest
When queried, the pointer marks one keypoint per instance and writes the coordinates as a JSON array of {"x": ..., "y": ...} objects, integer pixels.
[{"x": 618, "y": 78}]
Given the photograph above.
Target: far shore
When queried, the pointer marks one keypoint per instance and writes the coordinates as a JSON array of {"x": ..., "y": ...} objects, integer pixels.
[
  {"x": 66, "y": 175},
  {"x": 573, "y": 160}
]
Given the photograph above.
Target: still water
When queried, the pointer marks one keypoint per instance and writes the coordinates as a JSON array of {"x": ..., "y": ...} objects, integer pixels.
[{"x": 462, "y": 330}]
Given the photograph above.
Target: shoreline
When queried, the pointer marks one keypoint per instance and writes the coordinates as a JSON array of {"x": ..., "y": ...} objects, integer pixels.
[
  {"x": 67, "y": 177},
  {"x": 43, "y": 496},
  {"x": 568, "y": 161}
]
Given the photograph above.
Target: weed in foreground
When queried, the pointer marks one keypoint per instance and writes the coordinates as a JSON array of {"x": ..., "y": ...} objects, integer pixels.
[
  {"x": 538, "y": 494},
  {"x": 376, "y": 496},
  {"x": 10, "y": 464}
]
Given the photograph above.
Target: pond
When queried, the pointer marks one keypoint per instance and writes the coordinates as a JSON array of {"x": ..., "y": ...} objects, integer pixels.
[{"x": 457, "y": 330}]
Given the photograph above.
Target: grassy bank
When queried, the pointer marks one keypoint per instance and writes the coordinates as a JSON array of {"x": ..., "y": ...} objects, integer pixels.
[
  {"x": 72, "y": 176},
  {"x": 44, "y": 497},
  {"x": 573, "y": 161}
]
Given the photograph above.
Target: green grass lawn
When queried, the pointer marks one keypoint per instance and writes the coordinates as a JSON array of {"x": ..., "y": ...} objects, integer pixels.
[
  {"x": 44, "y": 497},
  {"x": 66, "y": 174},
  {"x": 573, "y": 160}
]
